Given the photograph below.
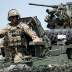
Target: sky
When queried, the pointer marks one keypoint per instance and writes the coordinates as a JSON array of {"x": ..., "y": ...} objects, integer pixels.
[{"x": 26, "y": 10}]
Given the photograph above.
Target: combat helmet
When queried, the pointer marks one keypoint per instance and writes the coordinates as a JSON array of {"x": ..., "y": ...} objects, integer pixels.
[
  {"x": 51, "y": 10},
  {"x": 13, "y": 12}
]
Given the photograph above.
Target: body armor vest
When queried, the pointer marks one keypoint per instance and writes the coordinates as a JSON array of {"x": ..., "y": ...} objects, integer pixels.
[{"x": 15, "y": 37}]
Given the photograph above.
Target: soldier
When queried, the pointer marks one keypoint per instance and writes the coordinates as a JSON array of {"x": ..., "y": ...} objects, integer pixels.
[
  {"x": 51, "y": 18},
  {"x": 63, "y": 18},
  {"x": 14, "y": 36}
]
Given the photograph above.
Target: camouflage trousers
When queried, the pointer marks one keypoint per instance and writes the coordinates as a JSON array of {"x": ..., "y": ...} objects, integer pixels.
[{"x": 9, "y": 53}]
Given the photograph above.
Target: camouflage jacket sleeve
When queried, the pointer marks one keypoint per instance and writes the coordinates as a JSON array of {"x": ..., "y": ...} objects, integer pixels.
[
  {"x": 29, "y": 31},
  {"x": 3, "y": 31}
]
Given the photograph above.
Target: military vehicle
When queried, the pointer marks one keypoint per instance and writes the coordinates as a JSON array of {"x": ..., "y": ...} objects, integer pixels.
[
  {"x": 58, "y": 54},
  {"x": 54, "y": 54}
]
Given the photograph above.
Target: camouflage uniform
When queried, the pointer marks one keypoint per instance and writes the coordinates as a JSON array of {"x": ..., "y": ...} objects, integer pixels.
[
  {"x": 63, "y": 17},
  {"x": 51, "y": 18},
  {"x": 14, "y": 37}
]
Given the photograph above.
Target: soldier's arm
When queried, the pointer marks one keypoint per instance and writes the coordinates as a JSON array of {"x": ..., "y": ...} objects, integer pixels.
[
  {"x": 2, "y": 32},
  {"x": 31, "y": 33}
]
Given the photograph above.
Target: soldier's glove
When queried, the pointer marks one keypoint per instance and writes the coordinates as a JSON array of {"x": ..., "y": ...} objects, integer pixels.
[{"x": 37, "y": 40}]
